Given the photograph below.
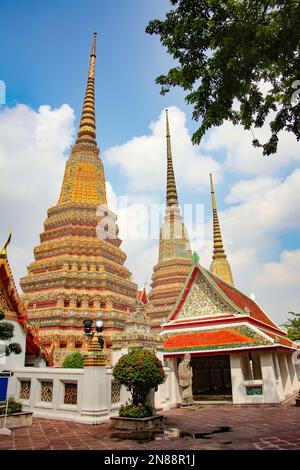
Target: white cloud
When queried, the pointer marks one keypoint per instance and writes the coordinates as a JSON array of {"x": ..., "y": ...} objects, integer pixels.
[
  {"x": 264, "y": 209},
  {"x": 32, "y": 160},
  {"x": 142, "y": 160},
  {"x": 260, "y": 209},
  {"x": 243, "y": 158}
]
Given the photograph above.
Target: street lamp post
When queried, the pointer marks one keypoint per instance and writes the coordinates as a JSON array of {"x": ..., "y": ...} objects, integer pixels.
[
  {"x": 96, "y": 354},
  {"x": 89, "y": 330}
]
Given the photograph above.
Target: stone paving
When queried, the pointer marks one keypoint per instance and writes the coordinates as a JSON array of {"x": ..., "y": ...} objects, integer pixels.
[{"x": 213, "y": 428}]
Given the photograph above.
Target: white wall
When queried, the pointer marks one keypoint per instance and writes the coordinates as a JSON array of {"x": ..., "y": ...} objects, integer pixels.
[
  {"x": 278, "y": 380},
  {"x": 94, "y": 396}
]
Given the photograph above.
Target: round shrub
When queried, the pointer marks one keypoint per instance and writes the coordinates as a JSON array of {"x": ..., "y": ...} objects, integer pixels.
[
  {"x": 140, "y": 371},
  {"x": 13, "y": 348},
  {"x": 73, "y": 361},
  {"x": 6, "y": 331}
]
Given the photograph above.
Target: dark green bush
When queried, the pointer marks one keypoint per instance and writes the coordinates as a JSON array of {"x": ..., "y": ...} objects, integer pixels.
[
  {"x": 6, "y": 333},
  {"x": 13, "y": 348},
  {"x": 13, "y": 407},
  {"x": 6, "y": 330},
  {"x": 73, "y": 361}
]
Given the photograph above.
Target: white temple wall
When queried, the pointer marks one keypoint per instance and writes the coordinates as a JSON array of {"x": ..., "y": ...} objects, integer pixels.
[
  {"x": 292, "y": 373},
  {"x": 89, "y": 395},
  {"x": 270, "y": 385},
  {"x": 237, "y": 378}
]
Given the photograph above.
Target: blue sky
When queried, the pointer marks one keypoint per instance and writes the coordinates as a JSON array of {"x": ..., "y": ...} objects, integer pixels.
[
  {"x": 44, "y": 54},
  {"x": 47, "y": 45}
]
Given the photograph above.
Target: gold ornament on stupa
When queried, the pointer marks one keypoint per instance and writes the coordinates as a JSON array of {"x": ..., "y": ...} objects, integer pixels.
[
  {"x": 78, "y": 270},
  {"x": 175, "y": 256},
  {"x": 220, "y": 265}
]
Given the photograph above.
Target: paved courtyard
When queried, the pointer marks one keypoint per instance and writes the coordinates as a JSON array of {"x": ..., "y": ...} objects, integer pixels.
[{"x": 217, "y": 428}]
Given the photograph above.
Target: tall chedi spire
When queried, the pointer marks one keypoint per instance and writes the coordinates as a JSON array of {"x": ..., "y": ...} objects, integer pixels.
[
  {"x": 79, "y": 270},
  {"x": 87, "y": 128},
  {"x": 84, "y": 171},
  {"x": 219, "y": 265},
  {"x": 175, "y": 256},
  {"x": 171, "y": 199}
]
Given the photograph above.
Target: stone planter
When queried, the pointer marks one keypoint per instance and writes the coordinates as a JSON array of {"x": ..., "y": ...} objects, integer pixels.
[
  {"x": 136, "y": 428},
  {"x": 17, "y": 420}
]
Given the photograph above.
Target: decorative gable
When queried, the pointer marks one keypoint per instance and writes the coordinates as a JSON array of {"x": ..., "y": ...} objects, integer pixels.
[{"x": 203, "y": 300}]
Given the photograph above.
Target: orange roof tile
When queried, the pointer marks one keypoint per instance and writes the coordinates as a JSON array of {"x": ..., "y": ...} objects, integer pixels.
[
  {"x": 242, "y": 301},
  {"x": 207, "y": 338}
]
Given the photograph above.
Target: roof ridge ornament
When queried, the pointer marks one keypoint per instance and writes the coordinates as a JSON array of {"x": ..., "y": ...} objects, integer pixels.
[{"x": 3, "y": 252}]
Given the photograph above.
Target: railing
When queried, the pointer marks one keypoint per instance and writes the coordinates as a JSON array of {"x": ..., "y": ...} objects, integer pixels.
[
  {"x": 57, "y": 393},
  {"x": 48, "y": 392}
]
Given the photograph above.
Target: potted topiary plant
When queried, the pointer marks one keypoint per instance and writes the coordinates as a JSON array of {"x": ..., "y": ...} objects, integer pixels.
[
  {"x": 140, "y": 371},
  {"x": 12, "y": 416}
]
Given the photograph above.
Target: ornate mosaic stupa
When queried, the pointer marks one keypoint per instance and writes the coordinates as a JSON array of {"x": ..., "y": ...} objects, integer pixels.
[
  {"x": 79, "y": 269},
  {"x": 219, "y": 265},
  {"x": 175, "y": 256}
]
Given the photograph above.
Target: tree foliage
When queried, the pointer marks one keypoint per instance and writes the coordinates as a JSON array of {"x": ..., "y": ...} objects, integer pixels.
[
  {"x": 6, "y": 334},
  {"x": 140, "y": 371},
  {"x": 74, "y": 360},
  {"x": 293, "y": 326},
  {"x": 225, "y": 50}
]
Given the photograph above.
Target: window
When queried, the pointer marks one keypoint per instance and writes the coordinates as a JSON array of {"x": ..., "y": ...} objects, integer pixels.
[
  {"x": 25, "y": 386},
  {"x": 70, "y": 395},
  {"x": 46, "y": 391},
  {"x": 115, "y": 391},
  {"x": 251, "y": 366}
]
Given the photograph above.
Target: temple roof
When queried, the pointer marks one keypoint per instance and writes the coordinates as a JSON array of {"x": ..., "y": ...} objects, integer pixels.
[
  {"x": 242, "y": 301},
  {"x": 211, "y": 314},
  {"x": 142, "y": 296},
  {"x": 15, "y": 310},
  {"x": 218, "y": 338}
]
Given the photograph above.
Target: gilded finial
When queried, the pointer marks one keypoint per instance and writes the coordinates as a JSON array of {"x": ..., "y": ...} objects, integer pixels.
[
  {"x": 213, "y": 197},
  {"x": 94, "y": 44},
  {"x": 3, "y": 252},
  {"x": 219, "y": 265},
  {"x": 87, "y": 127},
  {"x": 172, "y": 199}
]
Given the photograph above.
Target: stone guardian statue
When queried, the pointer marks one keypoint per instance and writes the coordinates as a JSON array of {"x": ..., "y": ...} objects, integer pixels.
[{"x": 185, "y": 375}]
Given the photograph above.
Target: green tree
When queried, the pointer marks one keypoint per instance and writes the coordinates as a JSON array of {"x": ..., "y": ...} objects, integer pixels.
[
  {"x": 293, "y": 326},
  {"x": 6, "y": 334},
  {"x": 74, "y": 360},
  {"x": 224, "y": 51},
  {"x": 140, "y": 371}
]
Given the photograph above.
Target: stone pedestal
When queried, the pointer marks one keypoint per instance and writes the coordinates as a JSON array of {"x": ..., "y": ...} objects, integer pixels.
[
  {"x": 17, "y": 420},
  {"x": 136, "y": 428}
]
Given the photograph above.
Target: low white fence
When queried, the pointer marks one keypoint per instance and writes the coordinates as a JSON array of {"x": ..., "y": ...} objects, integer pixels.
[{"x": 57, "y": 393}]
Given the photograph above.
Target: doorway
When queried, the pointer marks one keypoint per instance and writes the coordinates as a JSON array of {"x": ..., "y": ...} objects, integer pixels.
[{"x": 211, "y": 378}]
